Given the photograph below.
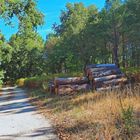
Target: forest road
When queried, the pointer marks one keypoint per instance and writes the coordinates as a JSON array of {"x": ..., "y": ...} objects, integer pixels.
[{"x": 19, "y": 120}]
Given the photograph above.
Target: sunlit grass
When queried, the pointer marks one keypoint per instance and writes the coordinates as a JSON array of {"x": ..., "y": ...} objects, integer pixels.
[{"x": 92, "y": 115}]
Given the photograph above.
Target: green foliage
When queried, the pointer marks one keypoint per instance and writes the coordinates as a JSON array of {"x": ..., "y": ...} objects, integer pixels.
[
  {"x": 22, "y": 55},
  {"x": 128, "y": 120},
  {"x": 43, "y": 81},
  {"x": 71, "y": 52},
  {"x": 86, "y": 35},
  {"x": 1, "y": 77},
  {"x": 23, "y": 60},
  {"x": 28, "y": 15},
  {"x": 131, "y": 70},
  {"x": 20, "y": 82}
]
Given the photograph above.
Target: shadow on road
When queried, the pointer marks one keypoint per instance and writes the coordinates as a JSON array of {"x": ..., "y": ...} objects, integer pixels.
[
  {"x": 34, "y": 134},
  {"x": 14, "y": 101},
  {"x": 20, "y": 120}
]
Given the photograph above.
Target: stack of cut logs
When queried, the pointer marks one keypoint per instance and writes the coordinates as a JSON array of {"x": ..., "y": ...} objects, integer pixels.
[
  {"x": 71, "y": 85},
  {"x": 97, "y": 77},
  {"x": 105, "y": 76}
]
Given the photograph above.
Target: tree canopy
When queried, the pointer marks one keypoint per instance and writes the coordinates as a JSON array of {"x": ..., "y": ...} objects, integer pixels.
[
  {"x": 85, "y": 35},
  {"x": 21, "y": 56}
]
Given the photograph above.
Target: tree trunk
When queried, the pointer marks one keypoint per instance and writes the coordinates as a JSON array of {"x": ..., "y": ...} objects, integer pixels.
[
  {"x": 115, "y": 48},
  {"x": 123, "y": 51}
]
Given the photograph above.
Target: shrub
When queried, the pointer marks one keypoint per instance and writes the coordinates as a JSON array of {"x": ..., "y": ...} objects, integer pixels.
[
  {"x": 33, "y": 82},
  {"x": 128, "y": 120},
  {"x": 20, "y": 82},
  {"x": 126, "y": 123},
  {"x": 133, "y": 74},
  {"x": 42, "y": 81},
  {"x": 1, "y": 77}
]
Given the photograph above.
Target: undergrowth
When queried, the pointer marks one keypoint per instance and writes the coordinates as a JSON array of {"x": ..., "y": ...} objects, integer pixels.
[{"x": 112, "y": 115}]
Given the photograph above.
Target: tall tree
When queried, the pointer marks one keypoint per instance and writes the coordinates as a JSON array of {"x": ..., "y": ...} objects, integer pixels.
[
  {"x": 71, "y": 30},
  {"x": 27, "y": 45},
  {"x": 112, "y": 6}
]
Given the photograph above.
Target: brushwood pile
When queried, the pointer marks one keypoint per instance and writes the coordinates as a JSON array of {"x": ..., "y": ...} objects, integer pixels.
[{"x": 97, "y": 77}]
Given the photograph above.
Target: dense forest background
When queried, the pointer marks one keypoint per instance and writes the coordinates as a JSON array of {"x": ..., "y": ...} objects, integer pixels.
[{"x": 85, "y": 35}]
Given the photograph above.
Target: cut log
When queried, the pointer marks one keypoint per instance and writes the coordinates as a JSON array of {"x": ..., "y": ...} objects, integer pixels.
[
  {"x": 109, "y": 77},
  {"x": 100, "y": 65},
  {"x": 113, "y": 82},
  {"x": 69, "y": 89},
  {"x": 71, "y": 80},
  {"x": 92, "y": 70},
  {"x": 108, "y": 88},
  {"x": 51, "y": 87},
  {"x": 106, "y": 73},
  {"x": 64, "y": 90},
  {"x": 83, "y": 87}
]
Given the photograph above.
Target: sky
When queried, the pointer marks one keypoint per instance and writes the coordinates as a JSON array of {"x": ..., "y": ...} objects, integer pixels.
[{"x": 52, "y": 10}]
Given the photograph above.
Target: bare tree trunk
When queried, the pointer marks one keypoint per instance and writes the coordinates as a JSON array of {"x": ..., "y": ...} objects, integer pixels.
[
  {"x": 105, "y": 46},
  {"x": 115, "y": 48},
  {"x": 123, "y": 50}
]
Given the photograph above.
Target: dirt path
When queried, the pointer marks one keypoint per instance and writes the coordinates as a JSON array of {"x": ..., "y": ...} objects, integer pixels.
[{"x": 19, "y": 120}]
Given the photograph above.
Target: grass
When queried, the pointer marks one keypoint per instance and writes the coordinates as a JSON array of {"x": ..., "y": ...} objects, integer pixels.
[
  {"x": 132, "y": 73},
  {"x": 131, "y": 70},
  {"x": 93, "y": 116}
]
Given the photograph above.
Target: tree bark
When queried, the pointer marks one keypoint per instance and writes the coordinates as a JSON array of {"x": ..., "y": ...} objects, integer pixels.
[
  {"x": 109, "y": 77},
  {"x": 112, "y": 82},
  {"x": 123, "y": 50},
  {"x": 115, "y": 48},
  {"x": 70, "y": 89},
  {"x": 70, "y": 80}
]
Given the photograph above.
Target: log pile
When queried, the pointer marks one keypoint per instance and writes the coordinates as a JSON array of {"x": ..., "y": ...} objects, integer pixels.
[
  {"x": 104, "y": 76},
  {"x": 97, "y": 77},
  {"x": 70, "y": 85}
]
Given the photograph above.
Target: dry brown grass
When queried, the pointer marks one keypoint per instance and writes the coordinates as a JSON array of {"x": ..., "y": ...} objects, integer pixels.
[{"x": 93, "y": 116}]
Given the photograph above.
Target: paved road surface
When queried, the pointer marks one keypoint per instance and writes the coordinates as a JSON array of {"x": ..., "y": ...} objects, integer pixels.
[{"x": 19, "y": 120}]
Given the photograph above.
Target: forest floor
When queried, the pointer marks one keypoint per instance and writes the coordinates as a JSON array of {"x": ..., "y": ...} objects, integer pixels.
[
  {"x": 111, "y": 115},
  {"x": 20, "y": 120}
]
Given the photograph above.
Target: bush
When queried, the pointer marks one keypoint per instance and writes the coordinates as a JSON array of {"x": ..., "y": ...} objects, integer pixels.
[
  {"x": 126, "y": 123},
  {"x": 131, "y": 70},
  {"x": 20, "y": 82},
  {"x": 1, "y": 77},
  {"x": 128, "y": 120},
  {"x": 133, "y": 74},
  {"x": 42, "y": 81},
  {"x": 33, "y": 82}
]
